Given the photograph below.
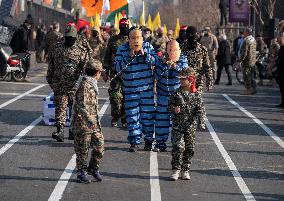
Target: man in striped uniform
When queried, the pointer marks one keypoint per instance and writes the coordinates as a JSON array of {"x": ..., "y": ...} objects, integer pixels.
[
  {"x": 166, "y": 74},
  {"x": 133, "y": 62}
]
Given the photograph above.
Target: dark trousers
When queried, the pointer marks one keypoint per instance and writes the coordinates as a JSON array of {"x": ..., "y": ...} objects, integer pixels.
[
  {"x": 280, "y": 82},
  {"x": 223, "y": 18},
  {"x": 219, "y": 72}
]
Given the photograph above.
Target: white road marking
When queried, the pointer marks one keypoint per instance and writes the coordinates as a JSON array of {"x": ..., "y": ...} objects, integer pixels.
[
  {"x": 63, "y": 181},
  {"x": 21, "y": 96},
  {"x": 256, "y": 120},
  {"x": 21, "y": 83},
  {"x": 20, "y": 135},
  {"x": 237, "y": 176},
  {"x": 154, "y": 177},
  {"x": 36, "y": 95},
  {"x": 255, "y": 96}
]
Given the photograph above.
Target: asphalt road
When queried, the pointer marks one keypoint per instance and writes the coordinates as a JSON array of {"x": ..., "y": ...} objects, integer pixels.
[{"x": 239, "y": 156}]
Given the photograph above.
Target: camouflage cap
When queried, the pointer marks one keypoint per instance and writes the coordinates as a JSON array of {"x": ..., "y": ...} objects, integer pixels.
[
  {"x": 95, "y": 64},
  {"x": 71, "y": 31},
  {"x": 187, "y": 72}
]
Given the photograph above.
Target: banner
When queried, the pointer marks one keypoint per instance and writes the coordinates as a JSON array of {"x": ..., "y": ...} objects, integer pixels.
[{"x": 239, "y": 11}]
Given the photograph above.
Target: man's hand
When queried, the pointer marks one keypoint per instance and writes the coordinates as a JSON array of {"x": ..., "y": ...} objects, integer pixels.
[{"x": 177, "y": 109}]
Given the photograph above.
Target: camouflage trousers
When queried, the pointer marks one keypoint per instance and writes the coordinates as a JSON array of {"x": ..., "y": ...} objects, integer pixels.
[
  {"x": 249, "y": 76},
  {"x": 183, "y": 142},
  {"x": 82, "y": 143},
  {"x": 116, "y": 99},
  {"x": 213, "y": 64},
  {"x": 62, "y": 101}
]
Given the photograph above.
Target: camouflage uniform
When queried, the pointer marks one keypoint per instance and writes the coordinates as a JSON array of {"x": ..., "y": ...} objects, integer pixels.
[
  {"x": 211, "y": 43},
  {"x": 198, "y": 59},
  {"x": 248, "y": 60},
  {"x": 98, "y": 46},
  {"x": 82, "y": 39},
  {"x": 116, "y": 96},
  {"x": 65, "y": 66},
  {"x": 51, "y": 39},
  {"x": 86, "y": 126},
  {"x": 185, "y": 123},
  {"x": 159, "y": 44}
]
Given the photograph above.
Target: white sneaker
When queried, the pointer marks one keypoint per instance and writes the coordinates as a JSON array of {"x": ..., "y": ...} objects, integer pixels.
[
  {"x": 175, "y": 175},
  {"x": 185, "y": 175}
]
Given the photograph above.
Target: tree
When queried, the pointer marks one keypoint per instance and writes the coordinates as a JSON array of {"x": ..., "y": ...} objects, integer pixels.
[{"x": 269, "y": 8}]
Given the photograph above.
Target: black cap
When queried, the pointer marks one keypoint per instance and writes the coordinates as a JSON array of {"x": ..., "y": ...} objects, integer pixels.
[{"x": 191, "y": 30}]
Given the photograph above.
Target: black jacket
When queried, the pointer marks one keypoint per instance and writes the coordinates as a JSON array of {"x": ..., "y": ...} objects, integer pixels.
[
  {"x": 280, "y": 62},
  {"x": 223, "y": 5},
  {"x": 20, "y": 40},
  {"x": 223, "y": 56}
]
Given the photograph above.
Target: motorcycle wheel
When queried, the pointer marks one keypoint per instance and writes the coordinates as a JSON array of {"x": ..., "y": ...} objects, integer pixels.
[
  {"x": 239, "y": 76},
  {"x": 20, "y": 76}
]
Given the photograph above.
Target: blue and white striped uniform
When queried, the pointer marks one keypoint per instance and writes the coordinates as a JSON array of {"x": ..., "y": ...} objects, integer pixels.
[
  {"x": 167, "y": 83},
  {"x": 138, "y": 82}
]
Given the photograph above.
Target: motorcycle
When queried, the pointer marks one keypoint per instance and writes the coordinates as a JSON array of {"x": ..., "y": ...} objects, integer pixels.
[
  {"x": 261, "y": 66},
  {"x": 15, "y": 66}
]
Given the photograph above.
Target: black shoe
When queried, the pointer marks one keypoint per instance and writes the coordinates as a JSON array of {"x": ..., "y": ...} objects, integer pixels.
[
  {"x": 160, "y": 149},
  {"x": 83, "y": 178},
  {"x": 229, "y": 83},
  {"x": 148, "y": 146},
  {"x": 71, "y": 135},
  {"x": 216, "y": 83},
  {"x": 114, "y": 123},
  {"x": 95, "y": 173},
  {"x": 59, "y": 134},
  {"x": 133, "y": 148}
]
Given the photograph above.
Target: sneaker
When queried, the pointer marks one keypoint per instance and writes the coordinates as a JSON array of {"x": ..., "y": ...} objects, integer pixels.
[
  {"x": 114, "y": 123},
  {"x": 124, "y": 125},
  {"x": 95, "y": 173},
  {"x": 133, "y": 148},
  {"x": 175, "y": 175},
  {"x": 59, "y": 134},
  {"x": 185, "y": 175},
  {"x": 83, "y": 178},
  {"x": 148, "y": 146}
]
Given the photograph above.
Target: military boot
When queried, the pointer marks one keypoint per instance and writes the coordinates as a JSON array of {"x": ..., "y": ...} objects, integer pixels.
[
  {"x": 59, "y": 134},
  {"x": 83, "y": 178},
  {"x": 95, "y": 173}
]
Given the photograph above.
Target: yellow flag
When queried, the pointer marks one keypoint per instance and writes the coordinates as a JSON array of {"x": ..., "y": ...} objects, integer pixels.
[
  {"x": 92, "y": 23},
  {"x": 116, "y": 22},
  {"x": 120, "y": 16},
  {"x": 98, "y": 21},
  {"x": 157, "y": 21},
  {"x": 150, "y": 23},
  {"x": 176, "y": 32},
  {"x": 142, "y": 20},
  {"x": 165, "y": 29}
]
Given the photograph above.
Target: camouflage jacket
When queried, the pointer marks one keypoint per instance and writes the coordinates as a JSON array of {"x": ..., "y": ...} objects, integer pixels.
[
  {"x": 191, "y": 108},
  {"x": 85, "y": 107},
  {"x": 113, "y": 43},
  {"x": 82, "y": 39},
  {"x": 51, "y": 39},
  {"x": 198, "y": 59},
  {"x": 159, "y": 44},
  {"x": 65, "y": 64},
  {"x": 98, "y": 47},
  {"x": 248, "y": 51}
]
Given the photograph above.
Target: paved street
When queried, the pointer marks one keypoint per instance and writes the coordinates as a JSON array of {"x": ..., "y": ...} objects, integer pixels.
[{"x": 240, "y": 156}]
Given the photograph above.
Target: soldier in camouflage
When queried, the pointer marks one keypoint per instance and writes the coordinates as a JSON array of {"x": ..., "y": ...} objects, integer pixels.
[
  {"x": 248, "y": 60},
  {"x": 97, "y": 44},
  {"x": 52, "y": 37},
  {"x": 116, "y": 96},
  {"x": 198, "y": 59},
  {"x": 159, "y": 42},
  {"x": 65, "y": 64},
  {"x": 188, "y": 111},
  {"x": 83, "y": 38},
  {"x": 86, "y": 125}
]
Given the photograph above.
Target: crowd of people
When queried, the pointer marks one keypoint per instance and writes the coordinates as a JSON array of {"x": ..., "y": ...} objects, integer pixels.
[{"x": 156, "y": 84}]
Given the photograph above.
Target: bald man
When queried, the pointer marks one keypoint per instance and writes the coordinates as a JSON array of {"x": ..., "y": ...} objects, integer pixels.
[
  {"x": 166, "y": 74},
  {"x": 133, "y": 61}
]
